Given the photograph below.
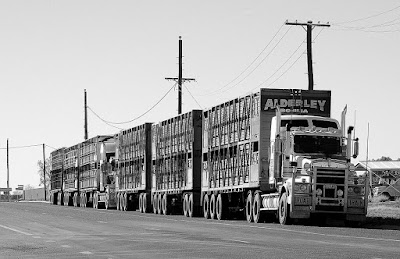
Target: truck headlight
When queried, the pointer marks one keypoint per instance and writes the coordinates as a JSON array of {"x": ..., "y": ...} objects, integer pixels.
[
  {"x": 319, "y": 192},
  {"x": 307, "y": 166},
  {"x": 340, "y": 193},
  {"x": 303, "y": 187}
]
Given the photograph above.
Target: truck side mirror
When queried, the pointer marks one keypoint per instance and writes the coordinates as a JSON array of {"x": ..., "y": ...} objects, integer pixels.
[{"x": 356, "y": 148}]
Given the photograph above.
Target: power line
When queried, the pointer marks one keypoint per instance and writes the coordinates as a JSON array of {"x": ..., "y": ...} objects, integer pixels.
[
  {"x": 237, "y": 77},
  {"x": 276, "y": 71},
  {"x": 368, "y": 17},
  {"x": 285, "y": 63},
  {"x": 27, "y": 146},
  {"x": 258, "y": 63},
  {"x": 106, "y": 122},
  {"x": 193, "y": 97},
  {"x": 125, "y": 122}
]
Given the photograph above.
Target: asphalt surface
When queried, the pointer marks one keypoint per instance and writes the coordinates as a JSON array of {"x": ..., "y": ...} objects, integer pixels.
[{"x": 41, "y": 230}]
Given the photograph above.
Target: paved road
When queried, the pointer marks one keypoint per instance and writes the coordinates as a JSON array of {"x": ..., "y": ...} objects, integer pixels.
[{"x": 40, "y": 230}]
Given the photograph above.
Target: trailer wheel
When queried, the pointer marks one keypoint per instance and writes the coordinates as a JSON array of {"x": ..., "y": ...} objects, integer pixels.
[
  {"x": 185, "y": 205},
  {"x": 164, "y": 204},
  {"x": 141, "y": 203},
  {"x": 206, "y": 207},
  {"x": 256, "y": 207},
  {"x": 212, "y": 206},
  {"x": 144, "y": 203},
  {"x": 118, "y": 202},
  {"x": 219, "y": 207},
  {"x": 155, "y": 203},
  {"x": 159, "y": 203},
  {"x": 125, "y": 202},
  {"x": 249, "y": 207},
  {"x": 94, "y": 198},
  {"x": 190, "y": 205},
  {"x": 283, "y": 212}
]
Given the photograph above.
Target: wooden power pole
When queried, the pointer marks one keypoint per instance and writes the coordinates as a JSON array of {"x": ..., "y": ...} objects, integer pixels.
[
  {"x": 86, "y": 122},
  {"x": 309, "y": 27},
  {"x": 8, "y": 175},
  {"x": 44, "y": 171},
  {"x": 179, "y": 79}
]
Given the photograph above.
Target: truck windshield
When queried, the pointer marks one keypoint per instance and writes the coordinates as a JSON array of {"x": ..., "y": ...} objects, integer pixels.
[{"x": 317, "y": 144}]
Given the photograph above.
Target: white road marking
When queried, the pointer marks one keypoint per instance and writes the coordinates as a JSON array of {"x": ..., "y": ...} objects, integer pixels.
[
  {"x": 66, "y": 246},
  {"x": 16, "y": 230},
  {"x": 103, "y": 222},
  {"x": 86, "y": 253},
  {"x": 37, "y": 237}
]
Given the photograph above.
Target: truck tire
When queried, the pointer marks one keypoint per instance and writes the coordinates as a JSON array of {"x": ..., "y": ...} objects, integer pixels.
[
  {"x": 212, "y": 206},
  {"x": 164, "y": 204},
  {"x": 155, "y": 203},
  {"x": 141, "y": 203},
  {"x": 95, "y": 201},
  {"x": 249, "y": 207},
  {"x": 185, "y": 205},
  {"x": 118, "y": 202},
  {"x": 159, "y": 203},
  {"x": 256, "y": 207},
  {"x": 219, "y": 207},
  {"x": 206, "y": 206},
  {"x": 190, "y": 206},
  {"x": 283, "y": 211},
  {"x": 144, "y": 203}
]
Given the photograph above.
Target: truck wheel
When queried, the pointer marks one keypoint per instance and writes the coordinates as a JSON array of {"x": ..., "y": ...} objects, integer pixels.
[
  {"x": 125, "y": 202},
  {"x": 118, "y": 202},
  {"x": 206, "y": 207},
  {"x": 219, "y": 207},
  {"x": 95, "y": 201},
  {"x": 256, "y": 207},
  {"x": 185, "y": 205},
  {"x": 283, "y": 212},
  {"x": 164, "y": 204},
  {"x": 144, "y": 203},
  {"x": 249, "y": 207},
  {"x": 190, "y": 205},
  {"x": 212, "y": 206},
  {"x": 159, "y": 203},
  {"x": 141, "y": 203},
  {"x": 155, "y": 202}
]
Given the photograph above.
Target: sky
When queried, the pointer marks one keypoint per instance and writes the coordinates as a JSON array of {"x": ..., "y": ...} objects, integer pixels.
[{"x": 121, "y": 52}]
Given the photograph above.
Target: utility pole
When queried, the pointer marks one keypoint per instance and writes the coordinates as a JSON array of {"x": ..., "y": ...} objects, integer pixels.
[
  {"x": 8, "y": 175},
  {"x": 309, "y": 27},
  {"x": 44, "y": 171},
  {"x": 86, "y": 122},
  {"x": 179, "y": 79}
]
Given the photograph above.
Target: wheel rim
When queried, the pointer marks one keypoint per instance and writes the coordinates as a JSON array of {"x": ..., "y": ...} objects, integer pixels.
[
  {"x": 141, "y": 202},
  {"x": 219, "y": 207},
  {"x": 190, "y": 205},
  {"x": 206, "y": 207},
  {"x": 185, "y": 205},
  {"x": 283, "y": 210},
  {"x": 249, "y": 207},
  {"x": 144, "y": 203},
  {"x": 256, "y": 207},
  {"x": 164, "y": 204},
  {"x": 212, "y": 206},
  {"x": 155, "y": 203}
]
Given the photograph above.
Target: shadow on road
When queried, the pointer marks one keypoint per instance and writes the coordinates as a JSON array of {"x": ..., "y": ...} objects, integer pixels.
[{"x": 382, "y": 223}]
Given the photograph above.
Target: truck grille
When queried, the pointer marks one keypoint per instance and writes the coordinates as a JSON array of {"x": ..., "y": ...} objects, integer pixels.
[{"x": 332, "y": 176}]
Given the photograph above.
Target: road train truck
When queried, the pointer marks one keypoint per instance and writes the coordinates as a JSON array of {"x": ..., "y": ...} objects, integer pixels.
[
  {"x": 80, "y": 174},
  {"x": 278, "y": 153},
  {"x": 133, "y": 181},
  {"x": 56, "y": 176},
  {"x": 176, "y": 164}
]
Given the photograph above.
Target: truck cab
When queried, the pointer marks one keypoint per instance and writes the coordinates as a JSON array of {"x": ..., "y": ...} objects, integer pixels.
[{"x": 311, "y": 169}]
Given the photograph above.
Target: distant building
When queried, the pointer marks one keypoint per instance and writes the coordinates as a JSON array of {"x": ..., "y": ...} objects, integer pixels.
[
  {"x": 35, "y": 195},
  {"x": 385, "y": 176}
]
